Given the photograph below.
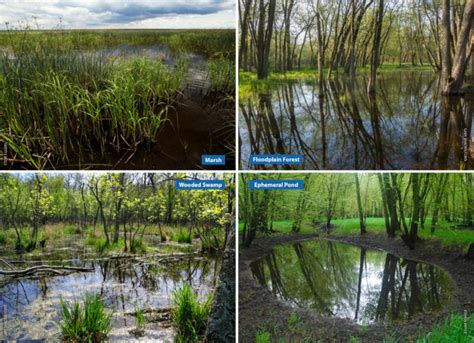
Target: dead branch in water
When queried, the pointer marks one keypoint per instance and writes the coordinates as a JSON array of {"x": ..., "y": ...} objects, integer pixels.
[
  {"x": 155, "y": 315},
  {"x": 42, "y": 269}
]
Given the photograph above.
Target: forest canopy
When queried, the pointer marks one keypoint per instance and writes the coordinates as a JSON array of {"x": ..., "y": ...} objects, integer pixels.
[
  {"x": 120, "y": 204},
  {"x": 408, "y": 205},
  {"x": 286, "y": 35}
]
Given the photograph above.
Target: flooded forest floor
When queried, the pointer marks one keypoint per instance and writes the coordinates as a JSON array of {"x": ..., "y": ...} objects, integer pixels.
[
  {"x": 260, "y": 311},
  {"x": 126, "y": 282}
]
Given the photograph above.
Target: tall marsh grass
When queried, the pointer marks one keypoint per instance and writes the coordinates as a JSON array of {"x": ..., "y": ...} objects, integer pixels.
[
  {"x": 222, "y": 76},
  {"x": 211, "y": 43},
  {"x": 59, "y": 105}
]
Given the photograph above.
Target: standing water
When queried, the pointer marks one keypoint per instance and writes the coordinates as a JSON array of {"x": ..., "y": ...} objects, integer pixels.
[
  {"x": 346, "y": 281},
  {"x": 31, "y": 306},
  {"x": 407, "y": 125}
]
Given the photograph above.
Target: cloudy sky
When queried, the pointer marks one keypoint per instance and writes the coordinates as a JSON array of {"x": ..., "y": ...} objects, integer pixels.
[{"x": 75, "y": 14}]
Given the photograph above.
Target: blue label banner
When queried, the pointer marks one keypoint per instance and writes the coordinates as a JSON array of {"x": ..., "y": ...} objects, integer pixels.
[
  {"x": 288, "y": 185},
  {"x": 276, "y": 159},
  {"x": 190, "y": 185},
  {"x": 213, "y": 160}
]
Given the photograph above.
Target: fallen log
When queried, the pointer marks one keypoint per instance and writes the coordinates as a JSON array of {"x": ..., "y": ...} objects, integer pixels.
[
  {"x": 155, "y": 315},
  {"x": 41, "y": 269}
]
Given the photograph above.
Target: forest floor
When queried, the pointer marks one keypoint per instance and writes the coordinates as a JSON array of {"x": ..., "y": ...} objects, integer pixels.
[{"x": 260, "y": 311}]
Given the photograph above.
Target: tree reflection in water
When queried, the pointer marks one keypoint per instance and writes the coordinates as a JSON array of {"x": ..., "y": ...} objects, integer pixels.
[
  {"x": 32, "y": 304},
  {"x": 406, "y": 125},
  {"x": 346, "y": 281}
]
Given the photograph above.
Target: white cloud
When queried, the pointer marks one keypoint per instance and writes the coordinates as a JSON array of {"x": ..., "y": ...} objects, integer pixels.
[{"x": 75, "y": 14}]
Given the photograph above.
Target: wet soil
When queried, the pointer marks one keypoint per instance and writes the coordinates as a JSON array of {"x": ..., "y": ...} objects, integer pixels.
[{"x": 259, "y": 310}]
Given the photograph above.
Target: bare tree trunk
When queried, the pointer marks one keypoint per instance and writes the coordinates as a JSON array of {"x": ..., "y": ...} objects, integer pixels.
[
  {"x": 221, "y": 323},
  {"x": 376, "y": 48},
  {"x": 320, "y": 54},
  {"x": 244, "y": 33},
  {"x": 264, "y": 37},
  {"x": 446, "y": 46},
  {"x": 453, "y": 77},
  {"x": 351, "y": 68},
  {"x": 359, "y": 206}
]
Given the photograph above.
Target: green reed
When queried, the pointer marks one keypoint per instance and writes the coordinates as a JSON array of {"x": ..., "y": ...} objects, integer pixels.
[{"x": 212, "y": 43}]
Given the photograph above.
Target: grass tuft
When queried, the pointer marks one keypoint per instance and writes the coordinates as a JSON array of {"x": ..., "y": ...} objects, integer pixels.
[
  {"x": 87, "y": 323},
  {"x": 189, "y": 316},
  {"x": 182, "y": 236},
  {"x": 262, "y": 337}
]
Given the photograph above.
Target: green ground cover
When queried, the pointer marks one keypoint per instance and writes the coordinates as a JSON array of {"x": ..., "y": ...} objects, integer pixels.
[{"x": 445, "y": 233}]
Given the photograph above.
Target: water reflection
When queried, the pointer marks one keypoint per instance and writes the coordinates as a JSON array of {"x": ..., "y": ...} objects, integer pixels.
[
  {"x": 341, "y": 280},
  {"x": 31, "y": 305},
  {"x": 407, "y": 125}
]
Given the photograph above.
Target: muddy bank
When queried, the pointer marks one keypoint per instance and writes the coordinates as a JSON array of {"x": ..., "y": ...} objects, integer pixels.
[{"x": 260, "y": 310}]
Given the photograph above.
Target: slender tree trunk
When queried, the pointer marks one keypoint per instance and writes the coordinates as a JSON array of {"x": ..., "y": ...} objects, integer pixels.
[
  {"x": 264, "y": 37},
  {"x": 359, "y": 206},
  {"x": 84, "y": 207},
  {"x": 384, "y": 202},
  {"x": 391, "y": 205},
  {"x": 244, "y": 33},
  {"x": 371, "y": 87}
]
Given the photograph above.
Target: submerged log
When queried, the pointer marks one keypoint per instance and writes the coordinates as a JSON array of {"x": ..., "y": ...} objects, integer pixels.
[
  {"x": 41, "y": 269},
  {"x": 155, "y": 315},
  {"x": 470, "y": 252}
]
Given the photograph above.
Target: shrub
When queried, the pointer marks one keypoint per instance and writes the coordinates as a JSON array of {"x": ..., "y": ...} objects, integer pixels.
[
  {"x": 189, "y": 316},
  {"x": 139, "y": 318},
  {"x": 262, "y": 337},
  {"x": 138, "y": 246},
  {"x": 212, "y": 240},
  {"x": 72, "y": 230},
  {"x": 87, "y": 323},
  {"x": 139, "y": 329},
  {"x": 3, "y": 238},
  {"x": 451, "y": 330}
]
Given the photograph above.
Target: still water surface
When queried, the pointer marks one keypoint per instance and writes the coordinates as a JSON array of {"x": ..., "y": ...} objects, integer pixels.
[
  {"x": 347, "y": 281},
  {"x": 30, "y": 306},
  {"x": 407, "y": 125}
]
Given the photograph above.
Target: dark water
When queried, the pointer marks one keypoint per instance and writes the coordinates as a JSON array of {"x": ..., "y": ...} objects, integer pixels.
[
  {"x": 346, "y": 281},
  {"x": 405, "y": 126},
  {"x": 31, "y": 306}
]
